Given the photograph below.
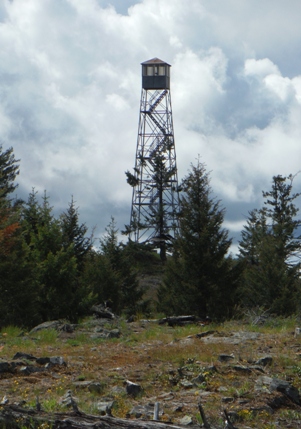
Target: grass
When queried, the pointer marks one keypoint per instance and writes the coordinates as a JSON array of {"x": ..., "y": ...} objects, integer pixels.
[{"x": 159, "y": 358}]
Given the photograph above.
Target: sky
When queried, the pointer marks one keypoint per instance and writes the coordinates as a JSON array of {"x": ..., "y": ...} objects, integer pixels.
[{"x": 70, "y": 87}]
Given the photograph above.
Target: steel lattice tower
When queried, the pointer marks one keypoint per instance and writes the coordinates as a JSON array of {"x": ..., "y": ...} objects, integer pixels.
[{"x": 155, "y": 200}]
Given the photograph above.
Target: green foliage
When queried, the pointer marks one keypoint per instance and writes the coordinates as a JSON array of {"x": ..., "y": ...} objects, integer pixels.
[
  {"x": 75, "y": 234},
  {"x": 54, "y": 259},
  {"x": 41, "y": 273},
  {"x": 16, "y": 291},
  {"x": 110, "y": 274},
  {"x": 270, "y": 249},
  {"x": 48, "y": 269},
  {"x": 143, "y": 256},
  {"x": 8, "y": 210},
  {"x": 120, "y": 262},
  {"x": 199, "y": 278},
  {"x": 100, "y": 280},
  {"x": 131, "y": 179},
  {"x": 58, "y": 286},
  {"x": 9, "y": 169},
  {"x": 159, "y": 214}
]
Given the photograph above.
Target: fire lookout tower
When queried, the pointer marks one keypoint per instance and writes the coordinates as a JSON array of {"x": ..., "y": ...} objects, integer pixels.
[{"x": 155, "y": 200}]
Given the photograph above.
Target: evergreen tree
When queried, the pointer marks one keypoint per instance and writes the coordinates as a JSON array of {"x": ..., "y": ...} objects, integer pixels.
[
  {"x": 270, "y": 249},
  {"x": 9, "y": 169},
  {"x": 281, "y": 213},
  {"x": 128, "y": 295},
  {"x": 40, "y": 228},
  {"x": 17, "y": 298},
  {"x": 199, "y": 278},
  {"x": 75, "y": 234},
  {"x": 159, "y": 216},
  {"x": 53, "y": 264},
  {"x": 9, "y": 220},
  {"x": 100, "y": 281},
  {"x": 109, "y": 275},
  {"x": 252, "y": 235}
]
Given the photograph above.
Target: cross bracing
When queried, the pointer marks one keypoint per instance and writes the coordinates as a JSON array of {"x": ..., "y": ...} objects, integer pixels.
[{"x": 155, "y": 200}]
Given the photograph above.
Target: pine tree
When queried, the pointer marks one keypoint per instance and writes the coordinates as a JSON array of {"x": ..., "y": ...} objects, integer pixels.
[
  {"x": 128, "y": 294},
  {"x": 53, "y": 263},
  {"x": 199, "y": 277},
  {"x": 74, "y": 234},
  {"x": 9, "y": 220},
  {"x": 18, "y": 292},
  {"x": 252, "y": 235},
  {"x": 18, "y": 296},
  {"x": 282, "y": 212},
  {"x": 158, "y": 215},
  {"x": 100, "y": 282},
  {"x": 9, "y": 169},
  {"x": 270, "y": 249}
]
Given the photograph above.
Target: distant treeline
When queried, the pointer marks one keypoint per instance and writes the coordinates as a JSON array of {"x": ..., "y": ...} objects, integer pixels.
[{"x": 51, "y": 268}]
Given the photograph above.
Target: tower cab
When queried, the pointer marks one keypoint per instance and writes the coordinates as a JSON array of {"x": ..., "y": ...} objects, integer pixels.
[{"x": 155, "y": 74}]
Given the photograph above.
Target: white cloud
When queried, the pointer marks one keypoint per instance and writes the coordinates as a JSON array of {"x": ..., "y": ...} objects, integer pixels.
[
  {"x": 5, "y": 124},
  {"x": 234, "y": 226},
  {"x": 282, "y": 87},
  {"x": 70, "y": 82},
  {"x": 296, "y": 81},
  {"x": 260, "y": 68},
  {"x": 269, "y": 75},
  {"x": 198, "y": 86}
]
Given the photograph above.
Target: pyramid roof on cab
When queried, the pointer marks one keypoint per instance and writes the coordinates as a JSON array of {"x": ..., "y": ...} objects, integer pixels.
[{"x": 155, "y": 61}]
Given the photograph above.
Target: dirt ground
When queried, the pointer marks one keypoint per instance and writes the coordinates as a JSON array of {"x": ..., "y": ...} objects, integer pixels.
[{"x": 222, "y": 367}]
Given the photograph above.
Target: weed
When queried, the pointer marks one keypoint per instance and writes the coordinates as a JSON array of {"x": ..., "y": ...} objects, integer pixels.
[
  {"x": 290, "y": 415},
  {"x": 122, "y": 406},
  {"x": 199, "y": 419},
  {"x": 10, "y": 332},
  {"x": 81, "y": 377},
  {"x": 50, "y": 405},
  {"x": 286, "y": 361},
  {"x": 46, "y": 336},
  {"x": 73, "y": 343},
  {"x": 245, "y": 414}
]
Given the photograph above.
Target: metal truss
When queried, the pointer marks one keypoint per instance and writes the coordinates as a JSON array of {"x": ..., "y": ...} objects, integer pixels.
[{"x": 155, "y": 200}]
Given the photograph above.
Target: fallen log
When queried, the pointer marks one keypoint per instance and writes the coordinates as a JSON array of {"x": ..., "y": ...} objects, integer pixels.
[
  {"x": 179, "y": 320},
  {"x": 102, "y": 312},
  {"x": 15, "y": 417}
]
